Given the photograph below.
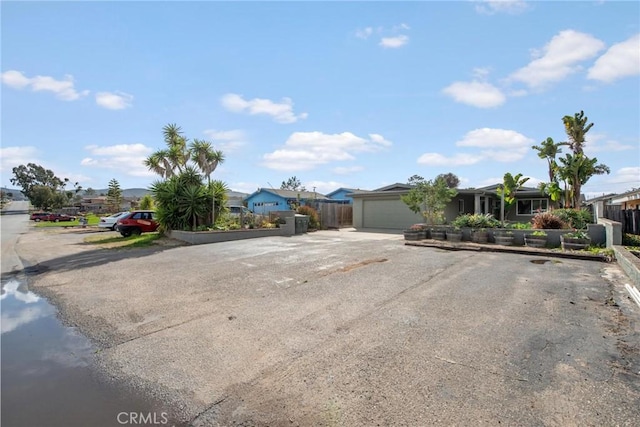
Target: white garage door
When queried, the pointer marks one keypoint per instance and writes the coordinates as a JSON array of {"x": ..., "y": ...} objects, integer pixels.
[{"x": 391, "y": 214}]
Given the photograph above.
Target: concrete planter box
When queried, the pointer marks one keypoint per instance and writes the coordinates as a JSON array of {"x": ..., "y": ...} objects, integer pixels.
[
  {"x": 573, "y": 243},
  {"x": 454, "y": 236},
  {"x": 414, "y": 234},
  {"x": 505, "y": 240},
  {"x": 480, "y": 236},
  {"x": 535, "y": 241},
  {"x": 438, "y": 234},
  {"x": 203, "y": 237}
]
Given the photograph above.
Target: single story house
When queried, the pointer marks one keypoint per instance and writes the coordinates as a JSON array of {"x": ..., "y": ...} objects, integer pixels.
[
  {"x": 383, "y": 209},
  {"x": 100, "y": 204},
  {"x": 597, "y": 204},
  {"x": 624, "y": 201},
  {"x": 628, "y": 200},
  {"x": 342, "y": 194},
  {"x": 266, "y": 200}
]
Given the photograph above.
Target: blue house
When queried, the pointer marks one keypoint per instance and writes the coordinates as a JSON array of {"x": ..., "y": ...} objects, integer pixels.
[
  {"x": 266, "y": 200},
  {"x": 341, "y": 195}
]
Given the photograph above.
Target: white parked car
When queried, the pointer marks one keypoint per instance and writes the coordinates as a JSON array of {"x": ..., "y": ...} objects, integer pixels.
[{"x": 111, "y": 222}]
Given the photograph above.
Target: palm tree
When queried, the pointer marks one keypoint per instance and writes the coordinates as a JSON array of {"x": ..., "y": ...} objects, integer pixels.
[
  {"x": 207, "y": 159},
  {"x": 577, "y": 169},
  {"x": 576, "y": 128},
  {"x": 549, "y": 150},
  {"x": 182, "y": 166},
  {"x": 173, "y": 159},
  {"x": 507, "y": 192}
]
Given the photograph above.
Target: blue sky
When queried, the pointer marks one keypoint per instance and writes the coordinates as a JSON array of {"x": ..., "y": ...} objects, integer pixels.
[{"x": 357, "y": 94}]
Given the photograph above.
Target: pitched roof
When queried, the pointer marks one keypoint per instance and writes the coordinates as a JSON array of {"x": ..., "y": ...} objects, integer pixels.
[
  {"x": 348, "y": 190},
  {"x": 396, "y": 186},
  {"x": 626, "y": 197},
  {"x": 290, "y": 194},
  {"x": 603, "y": 197}
]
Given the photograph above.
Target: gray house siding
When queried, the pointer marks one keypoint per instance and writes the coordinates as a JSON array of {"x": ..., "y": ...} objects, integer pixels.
[{"x": 385, "y": 210}]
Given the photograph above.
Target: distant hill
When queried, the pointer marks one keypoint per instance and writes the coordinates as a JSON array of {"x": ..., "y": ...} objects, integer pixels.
[
  {"x": 15, "y": 193},
  {"x": 129, "y": 192},
  {"x": 234, "y": 196}
]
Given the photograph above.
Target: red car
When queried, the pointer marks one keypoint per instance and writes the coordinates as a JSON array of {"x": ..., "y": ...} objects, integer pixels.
[
  {"x": 54, "y": 217},
  {"x": 48, "y": 216},
  {"x": 40, "y": 216},
  {"x": 137, "y": 222}
]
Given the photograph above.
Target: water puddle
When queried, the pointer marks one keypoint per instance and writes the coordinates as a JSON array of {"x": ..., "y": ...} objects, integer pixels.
[{"x": 47, "y": 377}]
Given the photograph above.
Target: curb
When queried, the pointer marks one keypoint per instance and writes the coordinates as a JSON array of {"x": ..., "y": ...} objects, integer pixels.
[
  {"x": 629, "y": 263},
  {"x": 522, "y": 250}
]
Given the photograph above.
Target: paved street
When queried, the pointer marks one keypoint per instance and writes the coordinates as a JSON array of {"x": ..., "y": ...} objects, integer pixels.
[{"x": 353, "y": 329}]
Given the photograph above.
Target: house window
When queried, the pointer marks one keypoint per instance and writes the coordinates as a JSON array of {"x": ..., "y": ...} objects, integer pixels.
[
  {"x": 532, "y": 206},
  {"x": 460, "y": 206}
]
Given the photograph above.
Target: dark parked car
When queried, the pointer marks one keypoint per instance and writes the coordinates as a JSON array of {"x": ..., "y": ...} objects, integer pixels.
[
  {"x": 54, "y": 217},
  {"x": 48, "y": 216},
  {"x": 40, "y": 216},
  {"x": 137, "y": 222}
]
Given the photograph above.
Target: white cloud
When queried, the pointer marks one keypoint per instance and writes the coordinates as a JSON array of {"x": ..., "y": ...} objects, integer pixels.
[
  {"x": 600, "y": 143},
  {"x": 498, "y": 145},
  {"x": 390, "y": 37},
  {"x": 306, "y": 150},
  {"x": 345, "y": 170},
  {"x": 324, "y": 187},
  {"x": 63, "y": 89},
  {"x": 114, "y": 101},
  {"x": 15, "y": 79},
  {"x": 490, "y": 7},
  {"x": 125, "y": 158},
  {"x": 621, "y": 60},
  {"x": 627, "y": 175},
  {"x": 281, "y": 112},
  {"x": 495, "y": 138},
  {"x": 476, "y": 94},
  {"x": 364, "y": 33},
  {"x": 394, "y": 42},
  {"x": 436, "y": 159},
  {"x": 11, "y": 157},
  {"x": 558, "y": 59},
  {"x": 401, "y": 27},
  {"x": 226, "y": 140}
]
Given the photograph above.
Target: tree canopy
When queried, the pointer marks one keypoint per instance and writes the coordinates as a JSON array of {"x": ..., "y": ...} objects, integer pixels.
[
  {"x": 429, "y": 198},
  {"x": 42, "y": 187},
  {"x": 183, "y": 200},
  {"x": 292, "y": 183},
  {"x": 574, "y": 169}
]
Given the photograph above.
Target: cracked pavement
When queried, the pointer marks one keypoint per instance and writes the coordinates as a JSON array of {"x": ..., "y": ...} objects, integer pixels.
[{"x": 351, "y": 328}]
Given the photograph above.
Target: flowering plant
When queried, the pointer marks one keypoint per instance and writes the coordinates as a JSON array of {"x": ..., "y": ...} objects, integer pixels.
[{"x": 577, "y": 234}]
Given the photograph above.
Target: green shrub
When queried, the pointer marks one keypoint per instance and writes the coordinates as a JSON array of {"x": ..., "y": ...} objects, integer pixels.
[
  {"x": 475, "y": 221},
  {"x": 577, "y": 234},
  {"x": 630, "y": 240},
  {"x": 575, "y": 218},
  {"x": 314, "y": 219},
  {"x": 547, "y": 220},
  {"x": 519, "y": 226}
]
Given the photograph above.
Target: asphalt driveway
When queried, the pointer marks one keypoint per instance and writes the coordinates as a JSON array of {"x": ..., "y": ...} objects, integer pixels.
[{"x": 353, "y": 329}]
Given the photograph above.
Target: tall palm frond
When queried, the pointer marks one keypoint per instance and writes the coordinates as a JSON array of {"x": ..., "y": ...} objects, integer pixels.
[{"x": 576, "y": 128}]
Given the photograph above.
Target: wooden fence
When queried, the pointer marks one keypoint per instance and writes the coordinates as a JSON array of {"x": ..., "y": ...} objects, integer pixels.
[
  {"x": 629, "y": 218},
  {"x": 333, "y": 215}
]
